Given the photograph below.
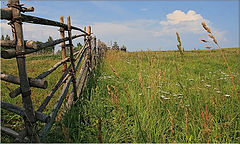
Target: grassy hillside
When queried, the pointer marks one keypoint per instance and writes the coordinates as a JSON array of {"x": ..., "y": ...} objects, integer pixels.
[{"x": 149, "y": 97}]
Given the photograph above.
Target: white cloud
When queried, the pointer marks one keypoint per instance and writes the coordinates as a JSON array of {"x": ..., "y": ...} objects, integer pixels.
[
  {"x": 178, "y": 17},
  {"x": 182, "y": 22},
  {"x": 189, "y": 23}
]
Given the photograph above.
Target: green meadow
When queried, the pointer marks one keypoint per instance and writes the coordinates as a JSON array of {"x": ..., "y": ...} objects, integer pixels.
[{"x": 143, "y": 97}]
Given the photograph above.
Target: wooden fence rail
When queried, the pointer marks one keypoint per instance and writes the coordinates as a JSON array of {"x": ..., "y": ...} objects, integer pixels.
[{"x": 88, "y": 57}]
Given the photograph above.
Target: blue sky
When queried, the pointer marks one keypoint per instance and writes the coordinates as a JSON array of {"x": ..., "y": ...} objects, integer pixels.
[{"x": 141, "y": 25}]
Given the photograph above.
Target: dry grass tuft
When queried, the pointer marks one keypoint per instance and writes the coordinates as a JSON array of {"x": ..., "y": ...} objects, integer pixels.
[
  {"x": 207, "y": 122},
  {"x": 114, "y": 71},
  {"x": 171, "y": 120},
  {"x": 141, "y": 81},
  {"x": 65, "y": 132}
]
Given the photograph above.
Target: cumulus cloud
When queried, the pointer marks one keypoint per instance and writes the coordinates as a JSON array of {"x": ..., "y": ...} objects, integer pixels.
[
  {"x": 178, "y": 17},
  {"x": 182, "y": 22},
  {"x": 188, "y": 23}
]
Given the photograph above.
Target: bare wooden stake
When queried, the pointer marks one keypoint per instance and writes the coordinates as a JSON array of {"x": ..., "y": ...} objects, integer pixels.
[
  {"x": 89, "y": 49},
  {"x": 30, "y": 120},
  {"x": 71, "y": 58},
  {"x": 63, "y": 43}
]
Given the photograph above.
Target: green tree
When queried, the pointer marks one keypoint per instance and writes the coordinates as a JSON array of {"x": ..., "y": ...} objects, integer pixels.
[
  {"x": 41, "y": 51},
  {"x": 7, "y": 37},
  {"x": 51, "y": 48},
  {"x": 2, "y": 38}
]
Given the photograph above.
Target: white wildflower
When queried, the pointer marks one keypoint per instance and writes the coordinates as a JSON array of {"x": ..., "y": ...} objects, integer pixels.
[
  {"x": 207, "y": 85},
  {"x": 226, "y": 95},
  {"x": 163, "y": 97},
  {"x": 218, "y": 91},
  {"x": 175, "y": 95}
]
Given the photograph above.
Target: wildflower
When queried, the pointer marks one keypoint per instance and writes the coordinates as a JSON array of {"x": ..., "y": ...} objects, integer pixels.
[
  {"x": 175, "y": 95},
  {"x": 140, "y": 94},
  {"x": 163, "y": 97},
  {"x": 218, "y": 91},
  {"x": 207, "y": 85},
  {"x": 226, "y": 95},
  {"x": 164, "y": 92}
]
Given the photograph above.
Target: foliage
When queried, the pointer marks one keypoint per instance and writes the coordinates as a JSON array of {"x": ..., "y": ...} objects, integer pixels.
[{"x": 49, "y": 49}]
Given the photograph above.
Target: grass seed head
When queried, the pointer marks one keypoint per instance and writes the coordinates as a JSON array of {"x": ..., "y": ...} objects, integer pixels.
[
  {"x": 203, "y": 40},
  {"x": 205, "y": 27},
  {"x": 214, "y": 40}
]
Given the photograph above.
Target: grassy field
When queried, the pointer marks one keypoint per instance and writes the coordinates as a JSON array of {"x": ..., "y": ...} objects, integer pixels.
[
  {"x": 147, "y": 97},
  {"x": 159, "y": 97}
]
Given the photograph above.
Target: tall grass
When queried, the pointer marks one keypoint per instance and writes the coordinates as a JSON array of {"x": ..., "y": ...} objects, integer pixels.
[{"x": 156, "y": 97}]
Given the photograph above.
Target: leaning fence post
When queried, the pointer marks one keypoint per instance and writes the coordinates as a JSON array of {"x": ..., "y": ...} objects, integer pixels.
[
  {"x": 30, "y": 120},
  {"x": 72, "y": 58}
]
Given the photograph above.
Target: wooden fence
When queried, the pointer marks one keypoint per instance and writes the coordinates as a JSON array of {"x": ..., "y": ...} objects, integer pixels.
[{"x": 86, "y": 59}]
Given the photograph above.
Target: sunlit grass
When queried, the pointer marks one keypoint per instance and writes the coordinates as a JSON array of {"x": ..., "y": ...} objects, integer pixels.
[{"x": 160, "y": 97}]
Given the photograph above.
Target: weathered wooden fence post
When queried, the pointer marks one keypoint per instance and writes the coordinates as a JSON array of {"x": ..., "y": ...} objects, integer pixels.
[
  {"x": 63, "y": 44},
  {"x": 72, "y": 58},
  {"x": 95, "y": 52},
  {"x": 30, "y": 120},
  {"x": 62, "y": 35},
  {"x": 89, "y": 49},
  {"x": 85, "y": 38}
]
